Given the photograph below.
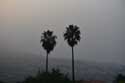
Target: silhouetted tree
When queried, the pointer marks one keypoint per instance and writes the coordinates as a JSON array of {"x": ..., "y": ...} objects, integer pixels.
[
  {"x": 72, "y": 36},
  {"x": 119, "y": 79},
  {"x": 48, "y": 41}
]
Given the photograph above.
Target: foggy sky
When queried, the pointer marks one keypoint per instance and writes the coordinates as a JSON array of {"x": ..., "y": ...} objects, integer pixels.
[{"x": 101, "y": 22}]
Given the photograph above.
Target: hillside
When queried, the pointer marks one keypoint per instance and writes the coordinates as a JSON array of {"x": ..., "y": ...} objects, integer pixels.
[{"x": 14, "y": 69}]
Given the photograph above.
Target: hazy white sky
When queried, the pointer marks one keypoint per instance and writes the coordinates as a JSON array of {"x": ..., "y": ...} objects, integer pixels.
[{"x": 102, "y": 24}]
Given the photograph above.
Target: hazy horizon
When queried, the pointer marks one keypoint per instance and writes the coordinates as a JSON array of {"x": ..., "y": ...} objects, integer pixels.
[{"x": 101, "y": 23}]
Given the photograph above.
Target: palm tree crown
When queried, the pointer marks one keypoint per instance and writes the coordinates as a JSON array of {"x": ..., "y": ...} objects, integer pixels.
[
  {"x": 72, "y": 35},
  {"x": 48, "y": 40}
]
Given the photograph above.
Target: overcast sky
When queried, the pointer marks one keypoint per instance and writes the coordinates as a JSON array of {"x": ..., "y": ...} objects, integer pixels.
[{"x": 102, "y": 25}]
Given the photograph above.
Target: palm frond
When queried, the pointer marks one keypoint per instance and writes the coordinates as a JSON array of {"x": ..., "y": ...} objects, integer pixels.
[
  {"x": 48, "y": 40},
  {"x": 72, "y": 35}
]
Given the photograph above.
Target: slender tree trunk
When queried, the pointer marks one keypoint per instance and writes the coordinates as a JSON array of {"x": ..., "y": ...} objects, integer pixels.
[
  {"x": 47, "y": 63},
  {"x": 73, "y": 71}
]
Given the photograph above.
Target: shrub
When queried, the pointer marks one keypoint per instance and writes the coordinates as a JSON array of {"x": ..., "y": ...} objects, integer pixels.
[
  {"x": 55, "y": 76},
  {"x": 120, "y": 78}
]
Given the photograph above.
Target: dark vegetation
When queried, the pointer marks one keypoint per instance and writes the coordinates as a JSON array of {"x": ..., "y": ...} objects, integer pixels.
[
  {"x": 55, "y": 76},
  {"x": 120, "y": 79}
]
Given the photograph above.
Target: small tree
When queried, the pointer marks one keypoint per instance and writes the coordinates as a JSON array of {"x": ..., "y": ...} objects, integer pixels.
[
  {"x": 120, "y": 79},
  {"x": 72, "y": 36},
  {"x": 48, "y": 41}
]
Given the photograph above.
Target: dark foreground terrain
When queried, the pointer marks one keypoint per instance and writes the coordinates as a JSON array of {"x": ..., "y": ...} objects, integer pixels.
[{"x": 19, "y": 68}]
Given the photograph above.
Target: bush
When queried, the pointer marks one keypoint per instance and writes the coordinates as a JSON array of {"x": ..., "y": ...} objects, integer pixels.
[
  {"x": 120, "y": 78},
  {"x": 55, "y": 76}
]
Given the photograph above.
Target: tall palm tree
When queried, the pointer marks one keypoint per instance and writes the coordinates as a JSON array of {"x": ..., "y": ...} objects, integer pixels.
[
  {"x": 72, "y": 36},
  {"x": 48, "y": 41}
]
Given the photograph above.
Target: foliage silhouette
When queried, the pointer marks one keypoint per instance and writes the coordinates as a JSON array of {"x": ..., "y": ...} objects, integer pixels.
[
  {"x": 120, "y": 79},
  {"x": 72, "y": 36},
  {"x": 48, "y": 41},
  {"x": 55, "y": 76}
]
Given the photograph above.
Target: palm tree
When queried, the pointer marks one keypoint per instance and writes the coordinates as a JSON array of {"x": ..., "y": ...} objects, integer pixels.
[
  {"x": 48, "y": 41},
  {"x": 72, "y": 36}
]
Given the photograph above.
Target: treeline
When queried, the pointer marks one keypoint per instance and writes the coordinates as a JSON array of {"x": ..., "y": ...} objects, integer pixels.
[{"x": 55, "y": 76}]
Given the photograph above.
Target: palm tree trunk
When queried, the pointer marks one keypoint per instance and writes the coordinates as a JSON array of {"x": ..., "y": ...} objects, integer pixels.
[
  {"x": 73, "y": 71},
  {"x": 47, "y": 63}
]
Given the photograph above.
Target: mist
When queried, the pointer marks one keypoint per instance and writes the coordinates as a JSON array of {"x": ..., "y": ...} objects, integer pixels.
[{"x": 101, "y": 23}]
